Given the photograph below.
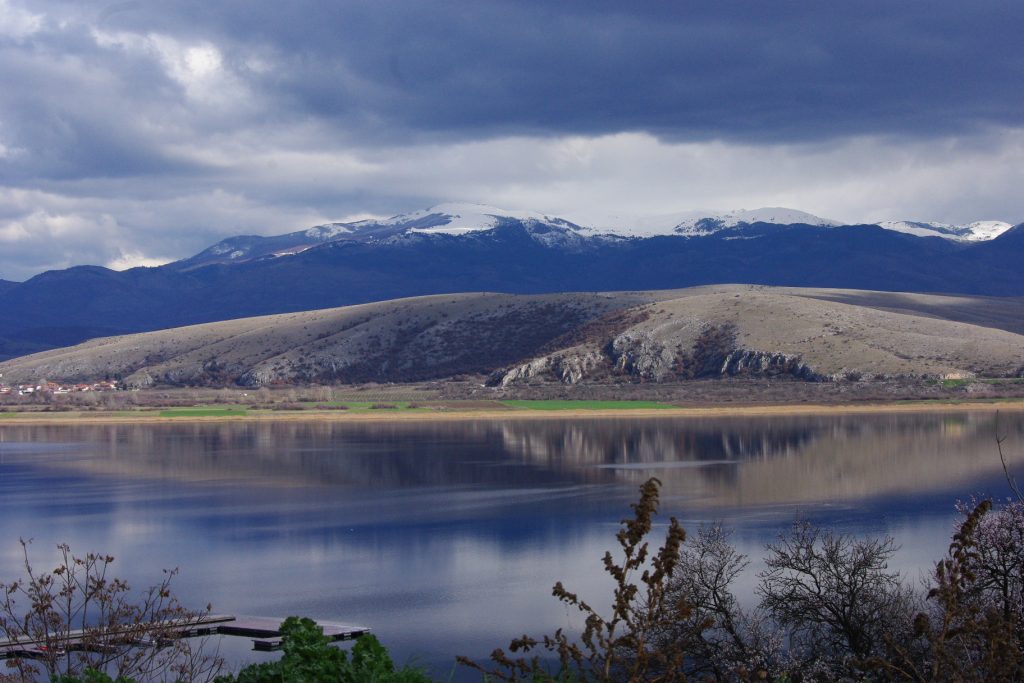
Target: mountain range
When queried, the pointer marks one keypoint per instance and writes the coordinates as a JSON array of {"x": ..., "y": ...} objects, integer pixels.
[
  {"x": 463, "y": 219},
  {"x": 471, "y": 248}
]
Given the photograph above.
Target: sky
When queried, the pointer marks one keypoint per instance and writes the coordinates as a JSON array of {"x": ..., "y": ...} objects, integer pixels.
[{"x": 138, "y": 132}]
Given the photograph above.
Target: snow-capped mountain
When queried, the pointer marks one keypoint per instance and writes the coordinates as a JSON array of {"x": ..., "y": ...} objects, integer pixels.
[
  {"x": 448, "y": 219},
  {"x": 455, "y": 218},
  {"x": 461, "y": 219},
  {"x": 977, "y": 231},
  {"x": 702, "y": 223}
]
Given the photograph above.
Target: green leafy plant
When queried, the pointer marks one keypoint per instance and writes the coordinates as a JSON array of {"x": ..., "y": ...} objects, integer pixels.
[{"x": 309, "y": 657}]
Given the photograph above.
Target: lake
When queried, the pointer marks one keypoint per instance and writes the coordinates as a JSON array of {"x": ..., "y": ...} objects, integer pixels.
[{"x": 446, "y": 537}]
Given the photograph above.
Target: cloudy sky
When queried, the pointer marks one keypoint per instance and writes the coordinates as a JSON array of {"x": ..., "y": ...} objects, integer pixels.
[{"x": 141, "y": 131}]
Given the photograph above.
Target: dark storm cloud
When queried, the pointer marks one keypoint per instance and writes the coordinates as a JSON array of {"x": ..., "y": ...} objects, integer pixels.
[
  {"x": 139, "y": 131},
  {"x": 87, "y": 95},
  {"x": 72, "y": 109},
  {"x": 751, "y": 71}
]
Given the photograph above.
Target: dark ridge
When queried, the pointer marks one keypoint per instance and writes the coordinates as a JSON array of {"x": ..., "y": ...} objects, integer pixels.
[{"x": 512, "y": 258}]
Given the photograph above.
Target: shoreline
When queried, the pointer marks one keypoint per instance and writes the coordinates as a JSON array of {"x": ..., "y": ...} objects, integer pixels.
[{"x": 709, "y": 411}]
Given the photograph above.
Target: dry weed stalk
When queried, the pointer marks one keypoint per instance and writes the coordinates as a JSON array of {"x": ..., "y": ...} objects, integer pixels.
[{"x": 623, "y": 646}]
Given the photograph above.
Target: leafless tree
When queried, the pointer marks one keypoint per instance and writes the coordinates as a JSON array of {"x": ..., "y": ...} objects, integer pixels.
[
  {"x": 724, "y": 641},
  {"x": 835, "y": 597}
]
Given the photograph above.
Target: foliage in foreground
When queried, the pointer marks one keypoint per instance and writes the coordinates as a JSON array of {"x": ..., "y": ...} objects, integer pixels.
[
  {"x": 309, "y": 657},
  {"x": 830, "y": 609}
]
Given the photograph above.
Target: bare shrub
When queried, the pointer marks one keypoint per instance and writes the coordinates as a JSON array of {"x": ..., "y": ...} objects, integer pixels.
[
  {"x": 835, "y": 597},
  {"x": 79, "y": 617},
  {"x": 971, "y": 630},
  {"x": 710, "y": 349},
  {"x": 999, "y": 571},
  {"x": 625, "y": 645},
  {"x": 724, "y": 641},
  {"x": 830, "y": 609}
]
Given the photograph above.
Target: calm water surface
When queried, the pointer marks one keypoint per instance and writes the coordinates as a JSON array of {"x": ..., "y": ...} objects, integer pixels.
[{"x": 446, "y": 538}]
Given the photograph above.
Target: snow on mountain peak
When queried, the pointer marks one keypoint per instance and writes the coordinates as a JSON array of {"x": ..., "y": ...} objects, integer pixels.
[
  {"x": 977, "y": 231},
  {"x": 987, "y": 230},
  {"x": 699, "y": 223},
  {"x": 778, "y": 215},
  {"x": 458, "y": 218},
  {"x": 328, "y": 231}
]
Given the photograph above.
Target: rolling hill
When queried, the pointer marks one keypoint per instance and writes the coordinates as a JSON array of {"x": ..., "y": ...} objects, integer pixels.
[{"x": 652, "y": 336}]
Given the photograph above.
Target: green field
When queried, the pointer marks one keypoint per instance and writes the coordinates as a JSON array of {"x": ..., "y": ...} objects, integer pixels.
[
  {"x": 202, "y": 412},
  {"x": 588, "y": 405}
]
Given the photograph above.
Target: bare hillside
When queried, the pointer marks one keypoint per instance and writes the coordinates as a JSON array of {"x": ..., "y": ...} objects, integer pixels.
[
  {"x": 808, "y": 334},
  {"x": 401, "y": 340}
]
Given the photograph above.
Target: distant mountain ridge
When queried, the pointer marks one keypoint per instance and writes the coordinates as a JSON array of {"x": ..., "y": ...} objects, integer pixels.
[
  {"x": 463, "y": 218},
  {"x": 470, "y": 248},
  {"x": 446, "y": 219}
]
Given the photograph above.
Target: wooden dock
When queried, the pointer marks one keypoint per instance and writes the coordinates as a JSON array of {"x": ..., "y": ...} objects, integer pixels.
[
  {"x": 266, "y": 635},
  {"x": 264, "y": 631}
]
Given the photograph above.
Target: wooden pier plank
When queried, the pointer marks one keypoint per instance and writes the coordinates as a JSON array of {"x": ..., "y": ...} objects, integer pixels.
[{"x": 265, "y": 632}]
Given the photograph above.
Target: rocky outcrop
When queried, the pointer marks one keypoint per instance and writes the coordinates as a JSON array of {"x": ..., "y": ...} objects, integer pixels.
[
  {"x": 537, "y": 369},
  {"x": 639, "y": 354},
  {"x": 572, "y": 368},
  {"x": 139, "y": 380},
  {"x": 569, "y": 368},
  {"x": 641, "y": 357},
  {"x": 258, "y": 377},
  {"x": 743, "y": 362}
]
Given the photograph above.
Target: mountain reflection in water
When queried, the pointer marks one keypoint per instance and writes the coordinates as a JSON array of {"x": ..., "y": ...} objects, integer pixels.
[
  {"x": 722, "y": 462},
  {"x": 445, "y": 537}
]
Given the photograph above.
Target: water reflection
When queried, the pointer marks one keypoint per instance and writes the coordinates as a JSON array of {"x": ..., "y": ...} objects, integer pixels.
[
  {"x": 720, "y": 462},
  {"x": 773, "y": 461},
  {"x": 445, "y": 537}
]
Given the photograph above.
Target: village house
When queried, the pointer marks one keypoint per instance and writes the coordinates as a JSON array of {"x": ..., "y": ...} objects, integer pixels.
[{"x": 55, "y": 388}]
